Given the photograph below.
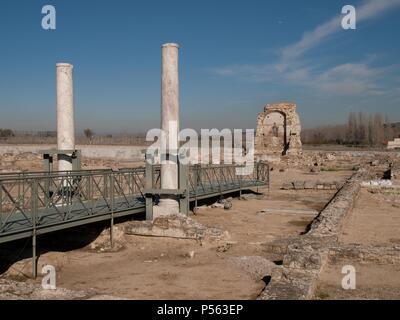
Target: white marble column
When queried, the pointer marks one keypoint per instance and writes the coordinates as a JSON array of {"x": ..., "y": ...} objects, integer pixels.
[
  {"x": 170, "y": 124},
  {"x": 65, "y": 114}
]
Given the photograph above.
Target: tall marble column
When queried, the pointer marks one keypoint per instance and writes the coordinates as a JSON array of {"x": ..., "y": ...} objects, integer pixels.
[
  {"x": 170, "y": 124},
  {"x": 65, "y": 114}
]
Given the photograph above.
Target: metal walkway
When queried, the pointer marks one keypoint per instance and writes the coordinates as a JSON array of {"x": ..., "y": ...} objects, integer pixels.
[{"x": 42, "y": 202}]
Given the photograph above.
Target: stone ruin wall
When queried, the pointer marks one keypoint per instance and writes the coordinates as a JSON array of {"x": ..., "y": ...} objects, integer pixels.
[{"x": 278, "y": 131}]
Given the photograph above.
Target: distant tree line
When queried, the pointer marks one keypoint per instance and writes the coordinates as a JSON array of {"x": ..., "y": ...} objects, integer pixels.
[
  {"x": 6, "y": 133},
  {"x": 42, "y": 134},
  {"x": 361, "y": 129},
  {"x": 88, "y": 136}
]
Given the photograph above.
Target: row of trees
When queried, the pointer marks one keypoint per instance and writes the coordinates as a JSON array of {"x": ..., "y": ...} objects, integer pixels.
[
  {"x": 88, "y": 136},
  {"x": 365, "y": 129},
  {"x": 361, "y": 129},
  {"x": 6, "y": 133}
]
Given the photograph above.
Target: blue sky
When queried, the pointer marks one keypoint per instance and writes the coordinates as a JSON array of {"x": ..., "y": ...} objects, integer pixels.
[{"x": 236, "y": 56}]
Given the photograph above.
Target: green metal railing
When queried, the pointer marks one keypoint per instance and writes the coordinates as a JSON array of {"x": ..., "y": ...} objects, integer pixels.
[{"x": 42, "y": 202}]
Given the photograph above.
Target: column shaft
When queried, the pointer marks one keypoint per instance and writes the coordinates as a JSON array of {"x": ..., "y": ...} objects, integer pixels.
[
  {"x": 65, "y": 114},
  {"x": 170, "y": 122}
]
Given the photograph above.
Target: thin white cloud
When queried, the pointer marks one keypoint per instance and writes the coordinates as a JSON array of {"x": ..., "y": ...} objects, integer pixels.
[
  {"x": 346, "y": 79},
  {"x": 248, "y": 71},
  {"x": 349, "y": 79},
  {"x": 309, "y": 40}
]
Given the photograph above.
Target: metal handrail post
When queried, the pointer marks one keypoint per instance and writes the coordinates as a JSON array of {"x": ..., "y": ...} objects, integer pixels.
[
  {"x": 149, "y": 185},
  {"x": 197, "y": 178},
  {"x": 112, "y": 210},
  {"x": 183, "y": 184},
  {"x": 240, "y": 185},
  {"x": 34, "y": 207}
]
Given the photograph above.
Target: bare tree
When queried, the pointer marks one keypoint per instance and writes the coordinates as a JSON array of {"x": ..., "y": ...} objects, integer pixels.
[
  {"x": 6, "y": 133},
  {"x": 89, "y": 134},
  {"x": 362, "y": 133},
  {"x": 361, "y": 128},
  {"x": 379, "y": 134},
  {"x": 351, "y": 128},
  {"x": 371, "y": 128}
]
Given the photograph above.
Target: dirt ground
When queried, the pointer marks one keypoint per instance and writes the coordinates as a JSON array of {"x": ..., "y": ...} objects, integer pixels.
[
  {"x": 161, "y": 268},
  {"x": 374, "y": 221},
  {"x": 155, "y": 268},
  {"x": 164, "y": 268},
  {"x": 373, "y": 281}
]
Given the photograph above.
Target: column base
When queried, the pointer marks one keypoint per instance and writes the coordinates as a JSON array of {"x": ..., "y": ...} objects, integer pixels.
[{"x": 166, "y": 207}]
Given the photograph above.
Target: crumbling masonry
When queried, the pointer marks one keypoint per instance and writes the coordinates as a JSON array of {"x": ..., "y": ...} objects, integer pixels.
[{"x": 278, "y": 131}]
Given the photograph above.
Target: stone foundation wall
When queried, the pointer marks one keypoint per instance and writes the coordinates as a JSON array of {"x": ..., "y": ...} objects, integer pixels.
[
  {"x": 304, "y": 258},
  {"x": 312, "y": 185}
]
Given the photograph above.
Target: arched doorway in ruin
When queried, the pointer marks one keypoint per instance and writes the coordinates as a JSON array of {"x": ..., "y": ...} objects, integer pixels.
[
  {"x": 278, "y": 130},
  {"x": 275, "y": 132}
]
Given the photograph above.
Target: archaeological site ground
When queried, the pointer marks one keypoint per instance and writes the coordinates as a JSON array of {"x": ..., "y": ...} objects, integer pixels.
[
  {"x": 290, "y": 237},
  {"x": 304, "y": 205}
]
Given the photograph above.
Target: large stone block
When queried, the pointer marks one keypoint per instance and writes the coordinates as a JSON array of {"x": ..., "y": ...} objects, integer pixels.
[{"x": 175, "y": 226}]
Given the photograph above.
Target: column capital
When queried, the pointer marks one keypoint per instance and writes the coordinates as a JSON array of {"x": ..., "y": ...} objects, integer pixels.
[
  {"x": 165, "y": 45},
  {"x": 64, "y": 65}
]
